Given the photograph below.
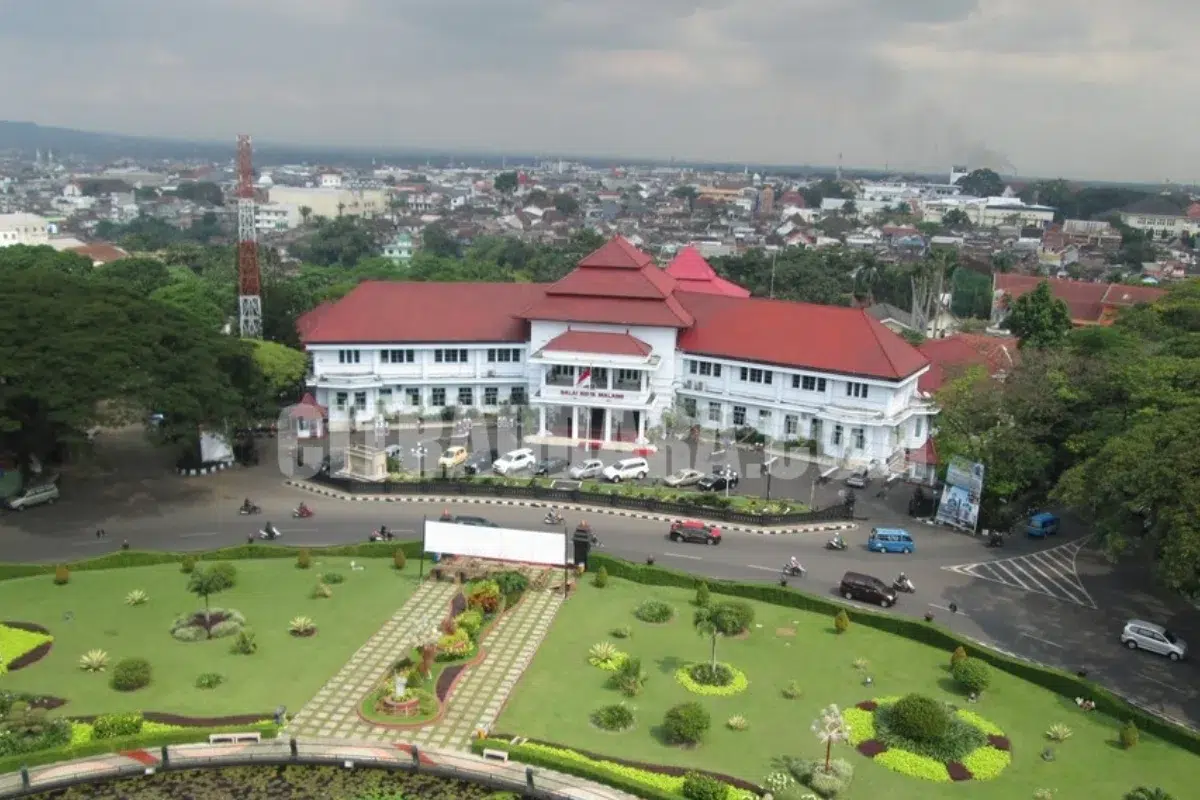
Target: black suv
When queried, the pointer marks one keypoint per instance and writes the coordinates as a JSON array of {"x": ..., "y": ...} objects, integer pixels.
[
  {"x": 478, "y": 522},
  {"x": 856, "y": 586}
]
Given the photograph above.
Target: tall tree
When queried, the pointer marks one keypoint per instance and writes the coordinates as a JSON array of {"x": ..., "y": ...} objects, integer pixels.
[
  {"x": 506, "y": 182},
  {"x": 981, "y": 183},
  {"x": 1039, "y": 319},
  {"x": 282, "y": 367}
]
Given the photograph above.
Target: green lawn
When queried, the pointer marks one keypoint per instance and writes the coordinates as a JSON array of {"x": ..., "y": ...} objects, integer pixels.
[
  {"x": 90, "y": 613},
  {"x": 554, "y": 698}
]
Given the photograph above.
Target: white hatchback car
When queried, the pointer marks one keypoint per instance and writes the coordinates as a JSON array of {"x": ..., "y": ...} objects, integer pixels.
[
  {"x": 514, "y": 461},
  {"x": 1139, "y": 635},
  {"x": 628, "y": 469},
  {"x": 588, "y": 470}
]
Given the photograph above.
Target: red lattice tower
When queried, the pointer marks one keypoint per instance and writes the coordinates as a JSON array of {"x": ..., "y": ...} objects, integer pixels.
[{"x": 249, "y": 278}]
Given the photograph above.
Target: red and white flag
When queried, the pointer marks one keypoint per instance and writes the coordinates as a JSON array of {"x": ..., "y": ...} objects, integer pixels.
[{"x": 584, "y": 375}]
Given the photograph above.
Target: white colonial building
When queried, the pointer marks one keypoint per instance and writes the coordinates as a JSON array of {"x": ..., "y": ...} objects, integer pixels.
[
  {"x": 601, "y": 354},
  {"x": 22, "y": 228}
]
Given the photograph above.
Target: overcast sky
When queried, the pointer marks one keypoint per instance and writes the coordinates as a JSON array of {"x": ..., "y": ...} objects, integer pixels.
[{"x": 1081, "y": 88}]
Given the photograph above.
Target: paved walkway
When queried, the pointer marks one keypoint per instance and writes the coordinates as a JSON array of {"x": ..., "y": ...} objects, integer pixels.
[
  {"x": 474, "y": 703},
  {"x": 447, "y": 764}
]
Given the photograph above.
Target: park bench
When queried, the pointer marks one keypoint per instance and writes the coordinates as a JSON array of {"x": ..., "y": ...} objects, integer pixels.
[
  {"x": 234, "y": 738},
  {"x": 495, "y": 755}
]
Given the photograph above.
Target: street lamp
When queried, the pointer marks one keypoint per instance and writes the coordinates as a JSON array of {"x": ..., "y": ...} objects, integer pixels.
[
  {"x": 767, "y": 466},
  {"x": 420, "y": 452}
]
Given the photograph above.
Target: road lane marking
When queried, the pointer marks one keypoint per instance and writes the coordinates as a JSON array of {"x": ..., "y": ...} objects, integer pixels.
[
  {"x": 764, "y": 569},
  {"x": 958, "y": 613},
  {"x": 1056, "y": 566},
  {"x": 195, "y": 535},
  {"x": 681, "y": 555},
  {"x": 1145, "y": 677},
  {"x": 1043, "y": 641}
]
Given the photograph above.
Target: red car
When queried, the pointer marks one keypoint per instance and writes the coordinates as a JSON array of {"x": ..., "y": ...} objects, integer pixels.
[{"x": 693, "y": 530}]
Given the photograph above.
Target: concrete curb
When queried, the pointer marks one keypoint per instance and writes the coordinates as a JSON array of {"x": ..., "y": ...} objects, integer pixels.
[
  {"x": 212, "y": 469},
  {"x": 612, "y": 512}
]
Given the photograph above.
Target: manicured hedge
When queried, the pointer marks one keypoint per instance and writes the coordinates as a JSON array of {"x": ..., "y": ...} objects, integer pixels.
[
  {"x": 140, "y": 558},
  {"x": 141, "y": 741},
  {"x": 1057, "y": 681},
  {"x": 570, "y": 767}
]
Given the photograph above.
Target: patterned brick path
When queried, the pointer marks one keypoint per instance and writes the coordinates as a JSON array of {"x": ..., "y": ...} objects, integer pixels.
[{"x": 475, "y": 701}]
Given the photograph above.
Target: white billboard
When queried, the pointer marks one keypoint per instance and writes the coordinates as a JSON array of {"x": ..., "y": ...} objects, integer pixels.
[{"x": 502, "y": 544}]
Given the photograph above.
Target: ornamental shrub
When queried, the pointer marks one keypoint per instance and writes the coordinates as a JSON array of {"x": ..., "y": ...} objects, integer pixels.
[
  {"x": 653, "y": 611},
  {"x": 470, "y": 621},
  {"x": 972, "y": 674},
  {"x": 131, "y": 674},
  {"x": 702, "y": 787},
  {"x": 959, "y": 654},
  {"x": 703, "y": 596},
  {"x": 228, "y": 573},
  {"x": 1129, "y": 734},
  {"x": 733, "y": 617},
  {"x": 686, "y": 724},
  {"x": 110, "y": 726},
  {"x": 920, "y": 718},
  {"x": 304, "y": 559},
  {"x": 332, "y": 578},
  {"x": 188, "y": 565},
  {"x": 841, "y": 621},
  {"x": 61, "y": 575},
  {"x": 398, "y": 559},
  {"x": 601, "y": 579},
  {"x": 617, "y": 717}
]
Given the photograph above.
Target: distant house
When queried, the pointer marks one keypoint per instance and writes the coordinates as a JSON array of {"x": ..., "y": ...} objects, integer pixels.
[
  {"x": 1089, "y": 303},
  {"x": 400, "y": 249},
  {"x": 100, "y": 253}
]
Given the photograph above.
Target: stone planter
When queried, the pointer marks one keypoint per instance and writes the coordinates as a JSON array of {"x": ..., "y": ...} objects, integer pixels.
[{"x": 409, "y": 707}]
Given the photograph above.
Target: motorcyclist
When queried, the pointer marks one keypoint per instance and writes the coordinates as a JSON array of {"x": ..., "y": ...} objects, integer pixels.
[
  {"x": 794, "y": 566},
  {"x": 384, "y": 533},
  {"x": 552, "y": 515},
  {"x": 903, "y": 582},
  {"x": 247, "y": 505},
  {"x": 837, "y": 541},
  {"x": 269, "y": 529},
  {"x": 302, "y": 510}
]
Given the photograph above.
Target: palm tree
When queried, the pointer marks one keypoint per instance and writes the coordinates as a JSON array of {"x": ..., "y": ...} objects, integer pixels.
[
  {"x": 305, "y": 213},
  {"x": 830, "y": 729},
  {"x": 714, "y": 621},
  {"x": 1145, "y": 793}
]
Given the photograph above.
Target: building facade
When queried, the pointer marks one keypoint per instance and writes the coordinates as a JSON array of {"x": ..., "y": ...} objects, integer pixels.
[
  {"x": 21, "y": 228},
  {"x": 603, "y": 355}
]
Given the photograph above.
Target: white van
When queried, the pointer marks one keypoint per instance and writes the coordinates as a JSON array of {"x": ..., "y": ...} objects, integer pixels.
[{"x": 32, "y": 496}]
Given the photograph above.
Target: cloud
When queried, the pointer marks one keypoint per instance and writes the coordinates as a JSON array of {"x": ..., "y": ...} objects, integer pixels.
[{"x": 1083, "y": 88}]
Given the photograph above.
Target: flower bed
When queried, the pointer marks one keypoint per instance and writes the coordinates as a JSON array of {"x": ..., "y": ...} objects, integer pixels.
[
  {"x": 870, "y": 735},
  {"x": 22, "y": 644},
  {"x": 738, "y": 682}
]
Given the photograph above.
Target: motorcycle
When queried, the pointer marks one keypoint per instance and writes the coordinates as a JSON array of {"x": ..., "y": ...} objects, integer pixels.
[
  {"x": 793, "y": 571},
  {"x": 250, "y": 509},
  {"x": 837, "y": 543},
  {"x": 383, "y": 535},
  {"x": 905, "y": 585},
  {"x": 552, "y": 518},
  {"x": 269, "y": 533},
  {"x": 303, "y": 512},
  {"x": 994, "y": 540}
]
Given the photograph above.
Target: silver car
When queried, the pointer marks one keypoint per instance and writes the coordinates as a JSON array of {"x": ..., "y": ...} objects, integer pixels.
[
  {"x": 684, "y": 477},
  {"x": 1139, "y": 635},
  {"x": 591, "y": 469}
]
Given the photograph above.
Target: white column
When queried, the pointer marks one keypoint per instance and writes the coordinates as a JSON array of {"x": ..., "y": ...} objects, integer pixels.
[
  {"x": 608, "y": 424},
  {"x": 542, "y": 421},
  {"x": 575, "y": 422},
  {"x": 642, "y": 427}
]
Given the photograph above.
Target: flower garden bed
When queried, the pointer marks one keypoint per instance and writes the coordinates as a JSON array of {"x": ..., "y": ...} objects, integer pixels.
[{"x": 23, "y": 644}]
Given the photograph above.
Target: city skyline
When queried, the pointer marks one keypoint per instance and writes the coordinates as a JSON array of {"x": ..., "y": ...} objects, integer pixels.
[{"x": 1065, "y": 89}]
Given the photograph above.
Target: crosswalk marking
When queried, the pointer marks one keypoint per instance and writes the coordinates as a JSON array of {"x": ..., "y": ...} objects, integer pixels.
[{"x": 1049, "y": 572}]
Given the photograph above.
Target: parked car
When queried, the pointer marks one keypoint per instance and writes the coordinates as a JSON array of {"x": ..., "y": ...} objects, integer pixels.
[
  {"x": 718, "y": 481},
  {"x": 479, "y": 461},
  {"x": 627, "y": 469},
  {"x": 32, "y": 496},
  {"x": 683, "y": 477},
  {"x": 693, "y": 530},
  {"x": 858, "y": 479},
  {"x": 1139, "y": 635},
  {"x": 452, "y": 457},
  {"x": 551, "y": 466},
  {"x": 591, "y": 469},
  {"x": 514, "y": 461},
  {"x": 867, "y": 588}
]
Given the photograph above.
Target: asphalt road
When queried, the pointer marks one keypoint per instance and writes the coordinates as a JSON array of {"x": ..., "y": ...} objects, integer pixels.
[{"x": 1055, "y": 602}]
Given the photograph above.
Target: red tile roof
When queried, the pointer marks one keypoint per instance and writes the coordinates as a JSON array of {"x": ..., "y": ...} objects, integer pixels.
[
  {"x": 693, "y": 274},
  {"x": 833, "y": 339},
  {"x": 308, "y": 407},
  {"x": 100, "y": 252},
  {"x": 617, "y": 344},
  {"x": 1087, "y": 302},
  {"x": 385, "y": 311},
  {"x": 926, "y": 454},
  {"x": 954, "y": 353}
]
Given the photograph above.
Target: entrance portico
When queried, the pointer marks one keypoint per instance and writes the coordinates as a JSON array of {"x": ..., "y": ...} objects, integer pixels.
[{"x": 595, "y": 386}]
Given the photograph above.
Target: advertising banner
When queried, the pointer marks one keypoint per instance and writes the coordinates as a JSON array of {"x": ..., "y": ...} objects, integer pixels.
[
  {"x": 503, "y": 544},
  {"x": 959, "y": 506}
]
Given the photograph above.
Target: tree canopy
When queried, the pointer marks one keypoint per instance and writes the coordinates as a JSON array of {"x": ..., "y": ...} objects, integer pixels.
[
  {"x": 981, "y": 183},
  {"x": 1038, "y": 318}
]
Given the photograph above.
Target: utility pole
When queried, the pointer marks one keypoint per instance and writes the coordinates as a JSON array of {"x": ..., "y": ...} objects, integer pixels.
[{"x": 774, "y": 258}]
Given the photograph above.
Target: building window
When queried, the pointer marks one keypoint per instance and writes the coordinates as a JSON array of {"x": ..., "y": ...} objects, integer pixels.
[
  {"x": 466, "y": 397},
  {"x": 689, "y": 406},
  {"x": 751, "y": 375},
  {"x": 348, "y": 356},
  {"x": 706, "y": 368},
  {"x": 859, "y": 436},
  {"x": 857, "y": 390},
  {"x": 491, "y": 396},
  {"x": 714, "y": 412},
  {"x": 360, "y": 401},
  {"x": 439, "y": 398},
  {"x": 517, "y": 397},
  {"x": 837, "y": 435},
  {"x": 808, "y": 383},
  {"x": 450, "y": 356},
  {"x": 399, "y": 356},
  {"x": 739, "y": 415},
  {"x": 385, "y": 395},
  {"x": 503, "y": 355},
  {"x": 339, "y": 401},
  {"x": 791, "y": 425},
  {"x": 414, "y": 396},
  {"x": 764, "y": 418},
  {"x": 918, "y": 426}
]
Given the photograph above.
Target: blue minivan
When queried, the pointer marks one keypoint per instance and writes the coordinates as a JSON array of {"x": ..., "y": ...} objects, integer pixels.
[
  {"x": 1042, "y": 524},
  {"x": 890, "y": 540}
]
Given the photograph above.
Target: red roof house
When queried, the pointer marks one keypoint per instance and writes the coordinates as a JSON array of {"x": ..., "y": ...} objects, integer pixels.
[
  {"x": 957, "y": 353},
  {"x": 693, "y": 274},
  {"x": 1089, "y": 303}
]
